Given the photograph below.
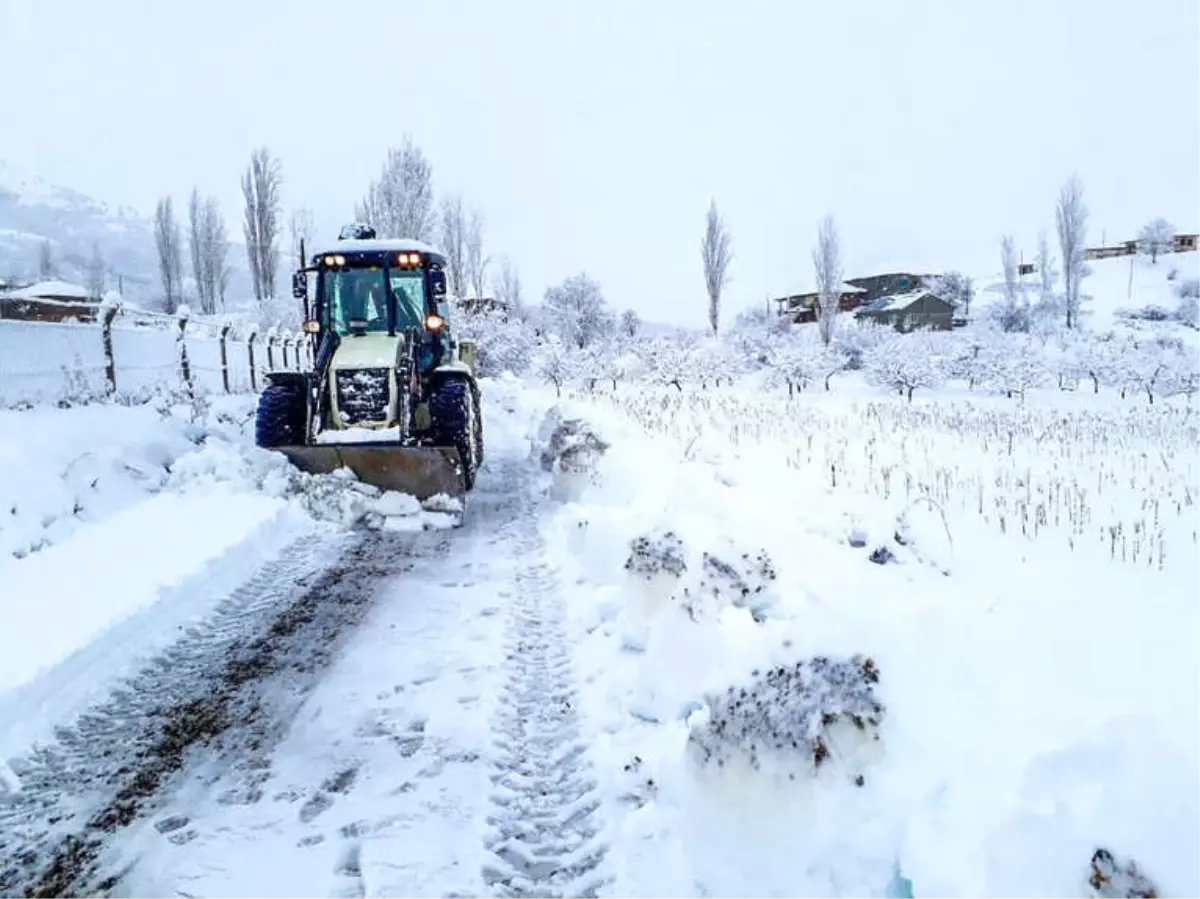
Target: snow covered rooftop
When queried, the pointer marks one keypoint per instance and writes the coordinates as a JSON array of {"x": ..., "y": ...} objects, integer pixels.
[
  {"x": 43, "y": 289},
  {"x": 896, "y": 302},
  {"x": 846, "y": 288},
  {"x": 395, "y": 245}
]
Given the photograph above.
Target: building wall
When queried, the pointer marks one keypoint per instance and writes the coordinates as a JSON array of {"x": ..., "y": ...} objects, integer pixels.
[{"x": 46, "y": 311}]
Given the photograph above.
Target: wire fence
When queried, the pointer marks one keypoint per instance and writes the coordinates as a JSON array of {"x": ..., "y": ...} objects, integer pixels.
[{"x": 127, "y": 354}]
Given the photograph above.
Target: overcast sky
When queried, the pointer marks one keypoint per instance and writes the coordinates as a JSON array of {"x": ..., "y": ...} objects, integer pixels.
[{"x": 592, "y": 135}]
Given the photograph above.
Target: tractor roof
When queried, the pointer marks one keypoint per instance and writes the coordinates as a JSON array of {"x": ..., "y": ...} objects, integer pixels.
[{"x": 396, "y": 245}]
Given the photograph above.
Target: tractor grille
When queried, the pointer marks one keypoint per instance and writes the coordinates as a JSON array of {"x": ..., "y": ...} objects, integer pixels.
[{"x": 363, "y": 395}]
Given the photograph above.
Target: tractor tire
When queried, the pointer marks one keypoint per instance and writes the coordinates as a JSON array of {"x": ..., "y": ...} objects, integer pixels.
[
  {"x": 476, "y": 405},
  {"x": 282, "y": 413},
  {"x": 453, "y": 423}
]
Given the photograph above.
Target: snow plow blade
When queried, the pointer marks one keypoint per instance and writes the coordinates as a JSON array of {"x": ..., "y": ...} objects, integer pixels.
[{"x": 422, "y": 471}]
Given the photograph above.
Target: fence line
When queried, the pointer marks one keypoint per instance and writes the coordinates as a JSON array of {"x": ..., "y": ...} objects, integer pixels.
[{"x": 131, "y": 354}]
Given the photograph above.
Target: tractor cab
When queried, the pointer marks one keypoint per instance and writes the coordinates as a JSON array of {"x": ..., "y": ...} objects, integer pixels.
[{"x": 368, "y": 288}]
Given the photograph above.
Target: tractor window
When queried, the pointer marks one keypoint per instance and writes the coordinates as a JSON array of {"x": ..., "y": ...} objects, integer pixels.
[
  {"x": 361, "y": 293},
  {"x": 355, "y": 293},
  {"x": 409, "y": 289}
]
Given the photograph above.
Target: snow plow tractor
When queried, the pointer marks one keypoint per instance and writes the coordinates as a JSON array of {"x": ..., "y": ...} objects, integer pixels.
[{"x": 392, "y": 395}]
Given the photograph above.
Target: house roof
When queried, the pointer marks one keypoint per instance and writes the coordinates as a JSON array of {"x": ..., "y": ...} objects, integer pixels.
[
  {"x": 896, "y": 302},
  {"x": 43, "y": 289},
  {"x": 847, "y": 287}
]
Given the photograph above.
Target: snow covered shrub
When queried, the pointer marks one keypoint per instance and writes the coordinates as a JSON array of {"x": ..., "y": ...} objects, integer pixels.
[
  {"x": 805, "y": 714},
  {"x": 637, "y": 786},
  {"x": 655, "y": 554},
  {"x": 656, "y": 563},
  {"x": 1189, "y": 287},
  {"x": 741, "y": 583},
  {"x": 1110, "y": 878},
  {"x": 572, "y": 447}
]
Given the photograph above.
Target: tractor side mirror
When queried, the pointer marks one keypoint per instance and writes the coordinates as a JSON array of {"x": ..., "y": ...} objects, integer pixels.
[{"x": 299, "y": 286}]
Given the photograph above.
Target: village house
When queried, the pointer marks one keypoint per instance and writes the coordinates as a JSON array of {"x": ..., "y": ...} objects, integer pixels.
[
  {"x": 917, "y": 309},
  {"x": 48, "y": 301},
  {"x": 856, "y": 293}
]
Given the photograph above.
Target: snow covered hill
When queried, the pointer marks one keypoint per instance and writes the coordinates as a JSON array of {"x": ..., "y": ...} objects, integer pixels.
[{"x": 33, "y": 211}]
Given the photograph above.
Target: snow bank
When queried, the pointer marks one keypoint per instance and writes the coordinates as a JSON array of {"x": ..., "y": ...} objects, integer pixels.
[
  {"x": 1031, "y": 696},
  {"x": 118, "y": 524}
]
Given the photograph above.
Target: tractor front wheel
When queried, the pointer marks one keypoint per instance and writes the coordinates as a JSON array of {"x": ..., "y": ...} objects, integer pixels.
[
  {"x": 454, "y": 423},
  {"x": 282, "y": 412}
]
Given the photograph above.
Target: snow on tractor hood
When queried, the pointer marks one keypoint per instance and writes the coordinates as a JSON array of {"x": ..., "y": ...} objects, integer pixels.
[{"x": 368, "y": 351}]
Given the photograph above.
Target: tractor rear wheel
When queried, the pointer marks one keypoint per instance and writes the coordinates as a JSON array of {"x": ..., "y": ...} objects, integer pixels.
[
  {"x": 282, "y": 413},
  {"x": 453, "y": 423}
]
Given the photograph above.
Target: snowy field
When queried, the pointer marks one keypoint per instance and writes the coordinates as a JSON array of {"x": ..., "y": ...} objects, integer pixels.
[
  {"x": 699, "y": 640},
  {"x": 1023, "y": 578}
]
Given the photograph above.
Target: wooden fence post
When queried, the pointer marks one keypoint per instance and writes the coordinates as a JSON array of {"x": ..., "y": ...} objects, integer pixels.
[
  {"x": 271, "y": 349},
  {"x": 185, "y": 366},
  {"x": 250, "y": 348},
  {"x": 110, "y": 364},
  {"x": 225, "y": 328},
  {"x": 287, "y": 342}
]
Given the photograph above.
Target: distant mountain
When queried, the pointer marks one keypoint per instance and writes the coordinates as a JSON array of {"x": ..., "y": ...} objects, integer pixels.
[{"x": 33, "y": 211}]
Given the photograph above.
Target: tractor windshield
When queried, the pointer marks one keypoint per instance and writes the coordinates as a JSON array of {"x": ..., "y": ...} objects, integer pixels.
[{"x": 355, "y": 299}]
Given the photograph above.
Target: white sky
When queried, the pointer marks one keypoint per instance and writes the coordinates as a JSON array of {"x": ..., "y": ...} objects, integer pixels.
[{"x": 592, "y": 135}]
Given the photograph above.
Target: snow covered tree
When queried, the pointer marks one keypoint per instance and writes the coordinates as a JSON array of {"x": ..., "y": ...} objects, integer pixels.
[
  {"x": 1155, "y": 238},
  {"x": 262, "y": 183},
  {"x": 301, "y": 229},
  {"x": 399, "y": 203},
  {"x": 46, "y": 268},
  {"x": 214, "y": 254},
  {"x": 95, "y": 274},
  {"x": 905, "y": 362},
  {"x": 170, "y": 253},
  {"x": 477, "y": 262},
  {"x": 955, "y": 288},
  {"x": 577, "y": 312},
  {"x": 670, "y": 361},
  {"x": 1012, "y": 312},
  {"x": 508, "y": 288},
  {"x": 630, "y": 324},
  {"x": 1070, "y": 217},
  {"x": 827, "y": 261},
  {"x": 801, "y": 358},
  {"x": 1142, "y": 368},
  {"x": 1045, "y": 268},
  {"x": 453, "y": 226},
  {"x": 716, "y": 253},
  {"x": 503, "y": 344},
  {"x": 855, "y": 337},
  {"x": 1019, "y": 366},
  {"x": 555, "y": 363}
]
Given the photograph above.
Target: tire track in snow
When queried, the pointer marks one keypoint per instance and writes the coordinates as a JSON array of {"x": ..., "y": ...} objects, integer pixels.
[
  {"x": 544, "y": 827},
  {"x": 231, "y": 682}
]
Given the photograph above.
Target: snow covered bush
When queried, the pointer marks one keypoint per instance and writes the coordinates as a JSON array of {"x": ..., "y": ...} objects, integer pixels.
[
  {"x": 739, "y": 580},
  {"x": 800, "y": 359},
  {"x": 793, "y": 719},
  {"x": 1112, "y": 879},
  {"x": 655, "y": 554},
  {"x": 570, "y": 445},
  {"x": 502, "y": 343}
]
